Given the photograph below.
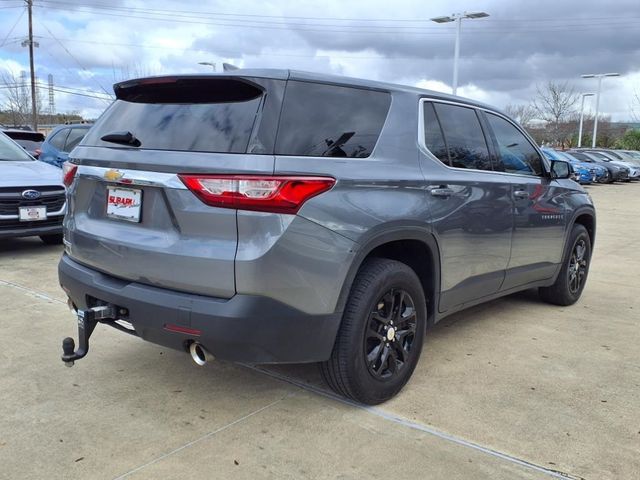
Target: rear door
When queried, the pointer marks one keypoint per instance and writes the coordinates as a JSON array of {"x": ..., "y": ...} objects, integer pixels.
[
  {"x": 130, "y": 214},
  {"x": 540, "y": 210},
  {"x": 470, "y": 204}
]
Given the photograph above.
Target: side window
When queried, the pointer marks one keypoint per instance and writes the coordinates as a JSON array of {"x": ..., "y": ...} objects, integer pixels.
[
  {"x": 75, "y": 135},
  {"x": 330, "y": 121},
  {"x": 464, "y": 137},
  {"x": 433, "y": 137},
  {"x": 59, "y": 138},
  {"x": 516, "y": 154}
]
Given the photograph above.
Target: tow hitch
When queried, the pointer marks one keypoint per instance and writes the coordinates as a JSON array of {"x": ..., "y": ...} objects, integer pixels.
[{"x": 87, "y": 321}]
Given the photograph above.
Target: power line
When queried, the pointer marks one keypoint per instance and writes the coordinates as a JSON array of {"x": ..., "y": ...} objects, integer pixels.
[
  {"x": 74, "y": 58},
  {"x": 67, "y": 90},
  {"x": 231, "y": 53},
  {"x": 199, "y": 13},
  {"x": 13, "y": 27},
  {"x": 360, "y": 30},
  {"x": 394, "y": 30}
]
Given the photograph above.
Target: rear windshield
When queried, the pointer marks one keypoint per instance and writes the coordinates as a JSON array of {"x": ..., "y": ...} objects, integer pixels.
[
  {"x": 206, "y": 118},
  {"x": 25, "y": 135},
  {"x": 330, "y": 121},
  {"x": 28, "y": 144}
]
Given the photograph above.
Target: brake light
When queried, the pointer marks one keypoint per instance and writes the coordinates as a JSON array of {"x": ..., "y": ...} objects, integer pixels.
[
  {"x": 68, "y": 173},
  {"x": 258, "y": 193}
]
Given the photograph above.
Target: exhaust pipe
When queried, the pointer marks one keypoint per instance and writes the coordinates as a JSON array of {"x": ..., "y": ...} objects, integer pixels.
[{"x": 199, "y": 354}]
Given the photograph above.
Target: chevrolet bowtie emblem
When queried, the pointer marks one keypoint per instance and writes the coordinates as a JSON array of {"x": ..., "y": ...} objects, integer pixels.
[{"x": 113, "y": 175}]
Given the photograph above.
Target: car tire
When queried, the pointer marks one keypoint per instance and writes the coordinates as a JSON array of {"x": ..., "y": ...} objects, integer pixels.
[
  {"x": 575, "y": 268},
  {"x": 380, "y": 339},
  {"x": 53, "y": 239}
]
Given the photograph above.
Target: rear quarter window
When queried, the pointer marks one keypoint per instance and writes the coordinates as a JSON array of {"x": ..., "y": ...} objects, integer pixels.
[
  {"x": 321, "y": 120},
  {"x": 74, "y": 138},
  {"x": 58, "y": 139}
]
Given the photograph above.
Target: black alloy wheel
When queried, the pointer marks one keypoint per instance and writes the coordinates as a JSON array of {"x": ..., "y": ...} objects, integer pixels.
[
  {"x": 391, "y": 330},
  {"x": 381, "y": 334},
  {"x": 578, "y": 264},
  {"x": 572, "y": 277}
]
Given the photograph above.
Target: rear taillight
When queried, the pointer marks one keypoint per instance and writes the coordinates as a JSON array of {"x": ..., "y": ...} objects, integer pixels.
[
  {"x": 260, "y": 193},
  {"x": 68, "y": 173}
]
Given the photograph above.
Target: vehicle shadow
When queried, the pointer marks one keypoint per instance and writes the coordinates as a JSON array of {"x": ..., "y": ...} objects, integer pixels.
[
  {"x": 15, "y": 247},
  {"x": 309, "y": 374}
]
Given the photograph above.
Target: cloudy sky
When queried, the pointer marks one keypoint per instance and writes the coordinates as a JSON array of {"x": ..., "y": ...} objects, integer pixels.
[{"x": 87, "y": 45}]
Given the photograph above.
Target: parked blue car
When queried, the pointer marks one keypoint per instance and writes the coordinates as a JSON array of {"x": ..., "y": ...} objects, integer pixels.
[
  {"x": 589, "y": 172},
  {"x": 56, "y": 147},
  {"x": 602, "y": 174}
]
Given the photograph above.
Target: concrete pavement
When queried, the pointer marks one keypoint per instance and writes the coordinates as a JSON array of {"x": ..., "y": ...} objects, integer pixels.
[{"x": 511, "y": 389}]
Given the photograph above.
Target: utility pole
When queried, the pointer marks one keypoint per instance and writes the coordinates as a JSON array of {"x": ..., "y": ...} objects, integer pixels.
[
  {"x": 52, "y": 101},
  {"x": 34, "y": 112}
]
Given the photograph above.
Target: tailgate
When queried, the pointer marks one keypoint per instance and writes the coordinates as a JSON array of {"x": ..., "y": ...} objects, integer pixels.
[{"x": 131, "y": 216}]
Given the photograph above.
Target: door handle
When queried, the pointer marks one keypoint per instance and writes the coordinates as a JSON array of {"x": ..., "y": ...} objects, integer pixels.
[
  {"x": 521, "y": 194},
  {"x": 441, "y": 191}
]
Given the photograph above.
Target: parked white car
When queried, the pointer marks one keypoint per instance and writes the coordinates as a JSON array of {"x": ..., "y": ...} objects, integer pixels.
[{"x": 32, "y": 195}]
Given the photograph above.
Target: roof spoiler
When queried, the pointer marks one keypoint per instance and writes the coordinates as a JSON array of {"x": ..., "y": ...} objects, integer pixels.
[{"x": 187, "y": 89}]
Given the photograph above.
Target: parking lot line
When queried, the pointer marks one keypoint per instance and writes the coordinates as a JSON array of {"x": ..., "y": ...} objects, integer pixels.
[
  {"x": 31, "y": 292},
  {"x": 415, "y": 426},
  {"x": 203, "y": 437}
]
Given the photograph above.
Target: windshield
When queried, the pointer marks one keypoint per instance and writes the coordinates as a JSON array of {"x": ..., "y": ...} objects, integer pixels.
[
  {"x": 11, "y": 151},
  {"x": 552, "y": 154},
  {"x": 567, "y": 156}
]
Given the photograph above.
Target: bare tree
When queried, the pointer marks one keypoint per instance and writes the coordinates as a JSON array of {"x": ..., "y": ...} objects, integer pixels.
[
  {"x": 523, "y": 114},
  {"x": 17, "y": 98},
  {"x": 554, "y": 104},
  {"x": 137, "y": 70},
  {"x": 16, "y": 103},
  {"x": 634, "y": 108}
]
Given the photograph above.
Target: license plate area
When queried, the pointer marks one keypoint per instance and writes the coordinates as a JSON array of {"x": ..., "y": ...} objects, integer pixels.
[
  {"x": 124, "y": 203},
  {"x": 32, "y": 214}
]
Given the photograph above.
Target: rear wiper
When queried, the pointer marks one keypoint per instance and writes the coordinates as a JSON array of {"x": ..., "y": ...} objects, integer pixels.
[{"x": 125, "y": 138}]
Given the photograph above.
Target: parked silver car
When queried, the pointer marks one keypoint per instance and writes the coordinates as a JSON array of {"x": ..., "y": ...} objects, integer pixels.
[
  {"x": 618, "y": 159},
  {"x": 32, "y": 195}
]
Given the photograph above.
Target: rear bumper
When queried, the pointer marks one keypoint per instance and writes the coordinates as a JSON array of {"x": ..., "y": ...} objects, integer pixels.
[{"x": 244, "y": 328}]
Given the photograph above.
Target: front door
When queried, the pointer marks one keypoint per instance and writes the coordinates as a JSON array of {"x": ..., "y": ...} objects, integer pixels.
[
  {"x": 539, "y": 206},
  {"x": 471, "y": 206}
]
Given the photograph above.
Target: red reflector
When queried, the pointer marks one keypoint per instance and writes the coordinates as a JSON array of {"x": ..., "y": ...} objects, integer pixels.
[
  {"x": 68, "y": 173},
  {"x": 250, "y": 192},
  {"x": 178, "y": 329}
]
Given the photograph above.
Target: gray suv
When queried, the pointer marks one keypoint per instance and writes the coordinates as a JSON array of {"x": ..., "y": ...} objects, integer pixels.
[{"x": 273, "y": 216}]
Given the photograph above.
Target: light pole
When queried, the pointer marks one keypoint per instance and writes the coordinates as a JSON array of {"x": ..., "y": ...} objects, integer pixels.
[
  {"x": 599, "y": 76},
  {"x": 457, "y": 17},
  {"x": 211, "y": 64},
  {"x": 582, "y": 117}
]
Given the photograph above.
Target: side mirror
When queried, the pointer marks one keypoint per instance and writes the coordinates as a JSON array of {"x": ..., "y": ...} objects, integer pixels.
[{"x": 560, "y": 169}]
